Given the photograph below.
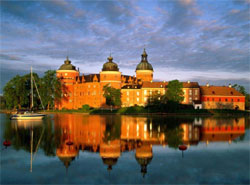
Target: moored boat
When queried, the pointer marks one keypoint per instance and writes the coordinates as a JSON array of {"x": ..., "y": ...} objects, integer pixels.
[{"x": 29, "y": 115}]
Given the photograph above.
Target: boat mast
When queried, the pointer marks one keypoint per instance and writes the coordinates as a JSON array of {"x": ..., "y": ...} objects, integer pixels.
[{"x": 31, "y": 81}]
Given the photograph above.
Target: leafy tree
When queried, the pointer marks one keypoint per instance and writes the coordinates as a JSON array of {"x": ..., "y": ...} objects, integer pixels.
[
  {"x": 17, "y": 91},
  {"x": 174, "y": 92},
  {"x": 240, "y": 88},
  {"x": 50, "y": 89},
  {"x": 112, "y": 95}
]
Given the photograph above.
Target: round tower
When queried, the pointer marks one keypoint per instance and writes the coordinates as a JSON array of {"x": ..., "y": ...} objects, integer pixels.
[
  {"x": 67, "y": 74},
  {"x": 110, "y": 74},
  {"x": 144, "y": 156},
  {"x": 144, "y": 70}
]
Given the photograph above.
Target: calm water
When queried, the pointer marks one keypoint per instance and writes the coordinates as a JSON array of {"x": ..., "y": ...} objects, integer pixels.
[{"x": 81, "y": 149}]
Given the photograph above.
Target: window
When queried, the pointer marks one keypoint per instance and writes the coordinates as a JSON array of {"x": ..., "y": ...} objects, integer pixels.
[
  {"x": 66, "y": 74},
  {"x": 145, "y": 92},
  {"x": 159, "y": 92},
  {"x": 184, "y": 92},
  {"x": 196, "y": 92},
  {"x": 145, "y": 99},
  {"x": 88, "y": 86},
  {"x": 190, "y": 92},
  {"x": 94, "y": 86},
  {"x": 226, "y": 99},
  {"x": 207, "y": 99},
  {"x": 137, "y": 99},
  {"x": 150, "y": 92},
  {"x": 190, "y": 99},
  {"x": 212, "y": 99},
  {"x": 138, "y": 93},
  {"x": 232, "y": 100},
  {"x": 127, "y": 99},
  {"x": 219, "y": 99},
  {"x": 238, "y": 100},
  {"x": 159, "y": 98},
  {"x": 127, "y": 93}
]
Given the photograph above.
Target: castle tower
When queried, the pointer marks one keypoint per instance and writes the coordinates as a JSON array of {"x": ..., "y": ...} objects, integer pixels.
[
  {"x": 110, "y": 74},
  {"x": 67, "y": 74},
  {"x": 144, "y": 69},
  {"x": 144, "y": 155}
]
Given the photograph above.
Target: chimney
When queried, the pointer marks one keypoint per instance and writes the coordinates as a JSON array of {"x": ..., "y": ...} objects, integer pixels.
[
  {"x": 207, "y": 84},
  {"x": 229, "y": 85}
]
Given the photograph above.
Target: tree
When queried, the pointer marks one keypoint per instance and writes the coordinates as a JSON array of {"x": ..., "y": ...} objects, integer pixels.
[
  {"x": 112, "y": 95},
  {"x": 17, "y": 91},
  {"x": 174, "y": 92},
  {"x": 240, "y": 88},
  {"x": 50, "y": 89}
]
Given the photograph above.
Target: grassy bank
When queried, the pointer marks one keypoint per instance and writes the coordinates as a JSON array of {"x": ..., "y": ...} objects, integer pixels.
[{"x": 138, "y": 110}]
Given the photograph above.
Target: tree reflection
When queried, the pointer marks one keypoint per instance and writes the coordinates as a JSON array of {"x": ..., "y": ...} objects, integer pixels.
[{"x": 19, "y": 135}]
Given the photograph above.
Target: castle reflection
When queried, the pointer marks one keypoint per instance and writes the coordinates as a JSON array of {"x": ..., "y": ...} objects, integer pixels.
[{"x": 110, "y": 136}]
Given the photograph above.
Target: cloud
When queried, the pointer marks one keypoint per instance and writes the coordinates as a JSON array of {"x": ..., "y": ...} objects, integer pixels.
[
  {"x": 182, "y": 14},
  {"x": 181, "y": 35}
]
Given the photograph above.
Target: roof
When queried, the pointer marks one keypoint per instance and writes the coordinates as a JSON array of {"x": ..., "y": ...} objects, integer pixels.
[
  {"x": 67, "y": 65},
  {"x": 131, "y": 86},
  {"x": 219, "y": 91},
  {"x": 190, "y": 84},
  {"x": 220, "y": 137},
  {"x": 154, "y": 84},
  {"x": 110, "y": 65},
  {"x": 144, "y": 64},
  {"x": 90, "y": 77}
]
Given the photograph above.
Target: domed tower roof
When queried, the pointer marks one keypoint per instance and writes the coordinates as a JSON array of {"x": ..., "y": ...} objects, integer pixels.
[
  {"x": 110, "y": 162},
  {"x": 66, "y": 161},
  {"x": 110, "y": 65},
  {"x": 144, "y": 64},
  {"x": 67, "y": 65},
  {"x": 143, "y": 161}
]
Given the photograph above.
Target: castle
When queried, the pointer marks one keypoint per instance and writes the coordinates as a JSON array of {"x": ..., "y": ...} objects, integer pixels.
[{"x": 78, "y": 90}]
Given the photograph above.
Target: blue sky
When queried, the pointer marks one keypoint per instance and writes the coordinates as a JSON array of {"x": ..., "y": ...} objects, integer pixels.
[{"x": 204, "y": 41}]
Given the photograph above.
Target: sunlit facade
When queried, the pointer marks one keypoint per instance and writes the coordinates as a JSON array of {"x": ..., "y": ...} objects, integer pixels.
[{"x": 80, "y": 89}]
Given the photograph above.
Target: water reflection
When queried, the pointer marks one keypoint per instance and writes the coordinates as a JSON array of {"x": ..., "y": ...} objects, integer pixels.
[{"x": 110, "y": 136}]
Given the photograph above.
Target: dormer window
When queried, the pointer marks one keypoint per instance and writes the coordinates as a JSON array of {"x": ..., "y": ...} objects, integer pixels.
[
  {"x": 232, "y": 92},
  {"x": 213, "y": 92}
]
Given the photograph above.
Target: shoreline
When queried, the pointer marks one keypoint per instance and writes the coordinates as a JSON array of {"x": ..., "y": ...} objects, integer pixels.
[{"x": 202, "y": 114}]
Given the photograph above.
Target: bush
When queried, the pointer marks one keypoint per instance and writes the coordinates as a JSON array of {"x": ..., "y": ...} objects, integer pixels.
[{"x": 85, "y": 108}]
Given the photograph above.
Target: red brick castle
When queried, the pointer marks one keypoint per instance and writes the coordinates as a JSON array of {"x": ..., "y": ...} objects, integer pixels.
[{"x": 79, "y": 90}]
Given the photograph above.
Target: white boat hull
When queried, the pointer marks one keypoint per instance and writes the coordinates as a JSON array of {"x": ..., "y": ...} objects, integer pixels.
[{"x": 27, "y": 116}]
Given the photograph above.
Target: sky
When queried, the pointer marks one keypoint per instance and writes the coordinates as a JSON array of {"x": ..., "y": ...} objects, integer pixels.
[{"x": 205, "y": 41}]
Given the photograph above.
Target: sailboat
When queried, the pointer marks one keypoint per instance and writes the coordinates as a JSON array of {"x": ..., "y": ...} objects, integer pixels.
[{"x": 29, "y": 115}]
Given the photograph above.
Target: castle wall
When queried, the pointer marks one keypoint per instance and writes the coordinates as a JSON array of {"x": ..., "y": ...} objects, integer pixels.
[
  {"x": 223, "y": 102},
  {"x": 144, "y": 75},
  {"x": 190, "y": 94}
]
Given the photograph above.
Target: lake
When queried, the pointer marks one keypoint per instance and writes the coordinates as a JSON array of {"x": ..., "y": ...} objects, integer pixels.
[{"x": 112, "y": 149}]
